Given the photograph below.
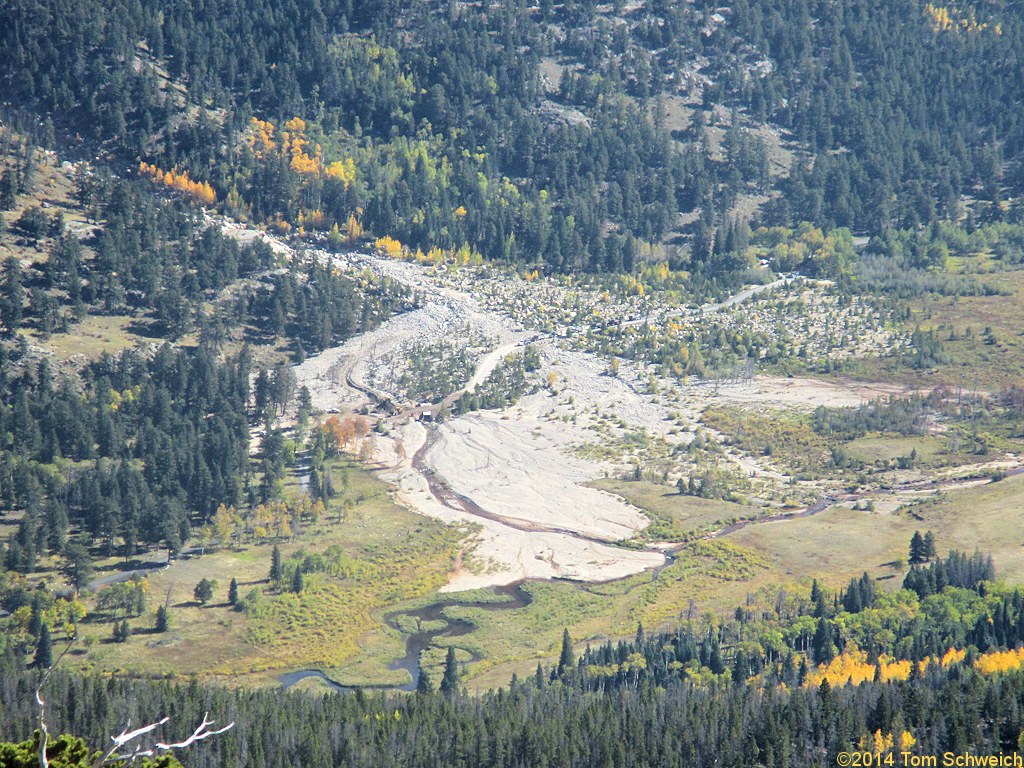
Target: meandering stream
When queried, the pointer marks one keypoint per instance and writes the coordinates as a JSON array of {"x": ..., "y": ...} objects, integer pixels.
[{"x": 416, "y": 642}]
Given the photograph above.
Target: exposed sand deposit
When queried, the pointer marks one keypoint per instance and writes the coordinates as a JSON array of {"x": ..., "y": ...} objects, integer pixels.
[
  {"x": 523, "y": 476},
  {"x": 516, "y": 477},
  {"x": 797, "y": 392},
  {"x": 515, "y": 540},
  {"x": 531, "y": 515}
]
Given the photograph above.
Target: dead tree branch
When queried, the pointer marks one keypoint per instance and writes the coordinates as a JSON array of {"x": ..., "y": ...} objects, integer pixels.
[
  {"x": 44, "y": 732},
  {"x": 114, "y": 754}
]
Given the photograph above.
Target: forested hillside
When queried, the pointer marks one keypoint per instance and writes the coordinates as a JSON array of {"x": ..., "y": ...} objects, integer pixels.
[
  {"x": 433, "y": 124},
  {"x": 143, "y": 445}
]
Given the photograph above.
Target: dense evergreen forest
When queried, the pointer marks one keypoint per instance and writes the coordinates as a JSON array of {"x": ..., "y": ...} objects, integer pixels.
[
  {"x": 158, "y": 257},
  {"x": 432, "y": 123},
  {"x": 133, "y": 450}
]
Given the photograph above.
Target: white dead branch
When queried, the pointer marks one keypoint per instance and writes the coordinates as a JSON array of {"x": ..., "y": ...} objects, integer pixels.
[{"x": 115, "y": 753}]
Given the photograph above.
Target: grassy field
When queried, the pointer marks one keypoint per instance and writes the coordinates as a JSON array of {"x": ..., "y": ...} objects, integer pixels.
[
  {"x": 714, "y": 575},
  {"x": 717, "y": 575},
  {"x": 400, "y": 556},
  {"x": 52, "y": 189},
  {"x": 841, "y": 543},
  {"x": 930, "y": 449},
  {"x": 337, "y": 624},
  {"x": 989, "y": 518},
  {"x": 674, "y": 517},
  {"x": 93, "y": 336},
  {"x": 834, "y": 545},
  {"x": 974, "y": 363},
  {"x": 787, "y": 438}
]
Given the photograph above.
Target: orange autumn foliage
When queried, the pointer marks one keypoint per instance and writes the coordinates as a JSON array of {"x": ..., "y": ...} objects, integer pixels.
[
  {"x": 342, "y": 432},
  {"x": 265, "y": 141},
  {"x": 261, "y": 138},
  {"x": 199, "y": 191}
]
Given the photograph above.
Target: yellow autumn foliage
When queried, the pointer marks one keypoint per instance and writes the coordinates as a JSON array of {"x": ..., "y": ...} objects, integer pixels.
[
  {"x": 953, "y": 20},
  {"x": 388, "y": 246},
  {"x": 302, "y": 163},
  {"x": 342, "y": 170},
  {"x": 353, "y": 228},
  {"x": 199, "y": 191},
  {"x": 852, "y": 667},
  {"x": 879, "y": 743},
  {"x": 265, "y": 141},
  {"x": 882, "y": 742},
  {"x": 312, "y": 220},
  {"x": 953, "y": 656},
  {"x": 994, "y": 662},
  {"x": 464, "y": 255}
]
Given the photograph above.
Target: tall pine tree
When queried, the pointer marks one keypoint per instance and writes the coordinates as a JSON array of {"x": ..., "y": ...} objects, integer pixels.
[{"x": 450, "y": 679}]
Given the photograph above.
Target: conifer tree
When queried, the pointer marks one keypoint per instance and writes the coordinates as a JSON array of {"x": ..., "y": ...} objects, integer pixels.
[
  {"x": 11, "y": 296},
  {"x": 565, "y": 659},
  {"x": 44, "y": 649},
  {"x": 275, "y": 565},
  {"x": 35, "y": 619},
  {"x": 8, "y": 191},
  {"x": 77, "y": 566},
  {"x": 917, "y": 550},
  {"x": 450, "y": 679},
  {"x": 424, "y": 685},
  {"x": 204, "y": 590},
  {"x": 928, "y": 546},
  {"x": 162, "y": 619},
  {"x": 122, "y": 631},
  {"x": 818, "y": 598}
]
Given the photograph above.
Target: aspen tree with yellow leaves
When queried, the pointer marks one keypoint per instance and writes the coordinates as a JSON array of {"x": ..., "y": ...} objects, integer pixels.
[{"x": 201, "y": 192}]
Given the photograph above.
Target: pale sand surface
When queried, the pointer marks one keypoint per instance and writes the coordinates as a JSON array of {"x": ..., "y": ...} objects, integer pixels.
[
  {"x": 522, "y": 475},
  {"x": 534, "y": 516},
  {"x": 806, "y": 393},
  {"x": 502, "y": 554}
]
